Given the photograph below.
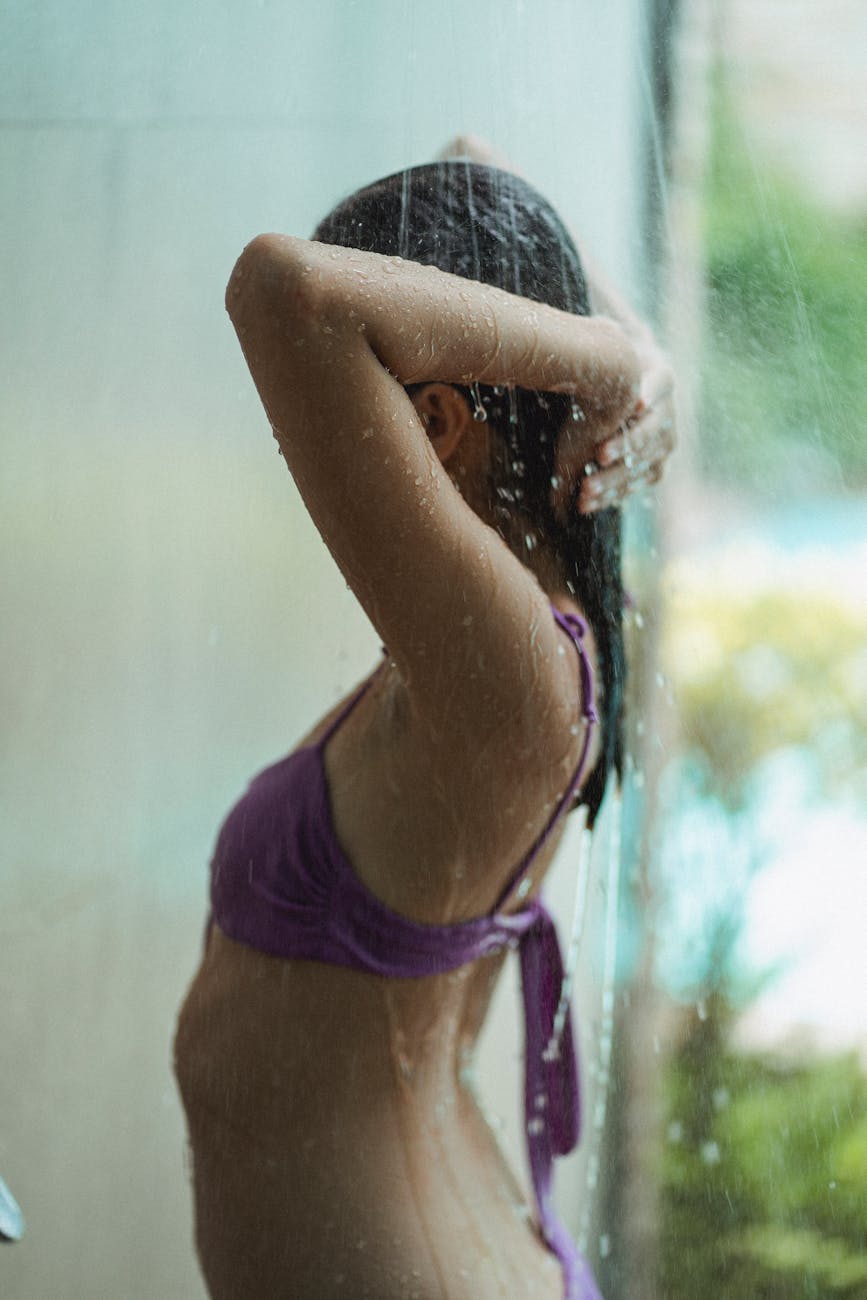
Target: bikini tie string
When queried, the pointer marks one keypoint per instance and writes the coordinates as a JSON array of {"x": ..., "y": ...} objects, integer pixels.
[{"x": 551, "y": 1092}]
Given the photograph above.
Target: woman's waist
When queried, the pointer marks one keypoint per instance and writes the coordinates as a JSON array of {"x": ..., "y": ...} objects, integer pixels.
[
  {"x": 299, "y": 1022},
  {"x": 388, "y": 1160},
  {"x": 384, "y": 1202}
]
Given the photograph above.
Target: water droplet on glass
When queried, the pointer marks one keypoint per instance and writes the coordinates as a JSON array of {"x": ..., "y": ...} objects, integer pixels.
[{"x": 710, "y": 1153}]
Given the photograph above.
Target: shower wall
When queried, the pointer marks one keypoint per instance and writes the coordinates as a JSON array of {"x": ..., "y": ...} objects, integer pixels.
[{"x": 170, "y": 619}]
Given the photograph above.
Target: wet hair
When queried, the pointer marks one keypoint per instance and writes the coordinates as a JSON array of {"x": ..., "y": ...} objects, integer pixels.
[{"x": 489, "y": 225}]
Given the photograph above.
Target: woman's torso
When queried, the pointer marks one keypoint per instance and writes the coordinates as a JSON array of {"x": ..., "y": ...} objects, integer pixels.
[{"x": 337, "y": 1146}]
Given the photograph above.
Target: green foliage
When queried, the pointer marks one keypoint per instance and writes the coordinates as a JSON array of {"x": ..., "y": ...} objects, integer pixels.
[
  {"x": 764, "y": 1174},
  {"x": 756, "y": 671},
  {"x": 785, "y": 373}
]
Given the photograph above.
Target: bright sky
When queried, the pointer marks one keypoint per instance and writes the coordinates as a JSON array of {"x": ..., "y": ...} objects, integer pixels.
[{"x": 809, "y": 909}]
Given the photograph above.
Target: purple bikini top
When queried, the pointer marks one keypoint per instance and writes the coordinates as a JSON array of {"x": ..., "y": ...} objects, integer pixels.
[{"x": 281, "y": 883}]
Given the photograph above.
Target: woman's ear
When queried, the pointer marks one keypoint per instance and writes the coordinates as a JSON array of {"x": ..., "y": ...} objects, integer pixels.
[{"x": 445, "y": 414}]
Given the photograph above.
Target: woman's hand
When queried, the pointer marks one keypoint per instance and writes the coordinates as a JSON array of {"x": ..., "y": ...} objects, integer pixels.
[{"x": 634, "y": 456}]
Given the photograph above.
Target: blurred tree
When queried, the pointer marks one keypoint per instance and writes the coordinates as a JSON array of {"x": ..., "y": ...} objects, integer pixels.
[
  {"x": 759, "y": 670},
  {"x": 764, "y": 1173},
  {"x": 785, "y": 375}
]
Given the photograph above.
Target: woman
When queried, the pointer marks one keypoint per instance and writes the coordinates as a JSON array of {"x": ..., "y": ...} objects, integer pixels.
[{"x": 366, "y": 888}]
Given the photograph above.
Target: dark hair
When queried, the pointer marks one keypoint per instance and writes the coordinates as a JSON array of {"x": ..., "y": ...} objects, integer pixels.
[{"x": 489, "y": 225}]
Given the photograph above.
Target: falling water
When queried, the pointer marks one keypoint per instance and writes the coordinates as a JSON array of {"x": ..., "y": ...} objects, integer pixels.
[
  {"x": 579, "y": 912},
  {"x": 602, "y": 1063}
]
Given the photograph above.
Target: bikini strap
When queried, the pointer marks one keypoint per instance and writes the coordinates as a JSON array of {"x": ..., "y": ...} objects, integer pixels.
[
  {"x": 344, "y": 713},
  {"x": 576, "y": 627}
]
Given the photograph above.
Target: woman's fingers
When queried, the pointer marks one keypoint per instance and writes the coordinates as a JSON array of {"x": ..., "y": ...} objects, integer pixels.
[
  {"x": 629, "y": 458},
  {"x": 647, "y": 437},
  {"x": 632, "y": 458},
  {"x": 609, "y": 487}
]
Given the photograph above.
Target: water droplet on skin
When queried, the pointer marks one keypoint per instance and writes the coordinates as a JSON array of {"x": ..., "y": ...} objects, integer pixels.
[
  {"x": 589, "y": 469},
  {"x": 480, "y": 415}
]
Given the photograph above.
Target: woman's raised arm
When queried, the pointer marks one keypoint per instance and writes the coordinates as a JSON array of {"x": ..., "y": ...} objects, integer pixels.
[
  {"x": 423, "y": 324},
  {"x": 331, "y": 336}
]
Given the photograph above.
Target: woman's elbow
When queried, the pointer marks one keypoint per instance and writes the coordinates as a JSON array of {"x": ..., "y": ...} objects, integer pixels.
[{"x": 270, "y": 274}]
